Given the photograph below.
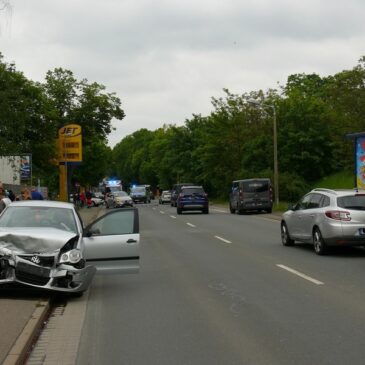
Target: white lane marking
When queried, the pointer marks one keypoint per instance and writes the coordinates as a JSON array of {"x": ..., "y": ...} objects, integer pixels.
[
  {"x": 222, "y": 239},
  {"x": 219, "y": 210},
  {"x": 295, "y": 272},
  {"x": 162, "y": 212},
  {"x": 172, "y": 216},
  {"x": 191, "y": 225}
]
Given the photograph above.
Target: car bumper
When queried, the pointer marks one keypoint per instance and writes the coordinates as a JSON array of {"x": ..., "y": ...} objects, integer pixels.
[
  {"x": 64, "y": 278},
  {"x": 342, "y": 234},
  {"x": 193, "y": 206}
]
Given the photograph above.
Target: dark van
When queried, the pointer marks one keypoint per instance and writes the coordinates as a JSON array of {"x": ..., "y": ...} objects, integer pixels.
[{"x": 251, "y": 194}]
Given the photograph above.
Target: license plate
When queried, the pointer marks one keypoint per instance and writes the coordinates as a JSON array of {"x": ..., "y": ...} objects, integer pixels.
[{"x": 34, "y": 270}]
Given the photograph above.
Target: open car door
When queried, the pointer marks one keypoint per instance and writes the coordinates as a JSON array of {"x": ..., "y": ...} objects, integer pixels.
[{"x": 112, "y": 242}]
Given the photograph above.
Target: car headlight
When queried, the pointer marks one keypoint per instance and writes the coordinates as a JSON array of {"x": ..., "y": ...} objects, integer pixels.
[{"x": 73, "y": 257}]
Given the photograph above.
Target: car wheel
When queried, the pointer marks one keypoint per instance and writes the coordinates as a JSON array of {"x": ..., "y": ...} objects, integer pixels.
[
  {"x": 178, "y": 210},
  {"x": 269, "y": 210},
  {"x": 206, "y": 211},
  {"x": 231, "y": 209},
  {"x": 285, "y": 238},
  {"x": 320, "y": 247}
]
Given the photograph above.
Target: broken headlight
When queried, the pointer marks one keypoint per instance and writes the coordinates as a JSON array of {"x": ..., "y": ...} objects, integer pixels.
[{"x": 72, "y": 257}]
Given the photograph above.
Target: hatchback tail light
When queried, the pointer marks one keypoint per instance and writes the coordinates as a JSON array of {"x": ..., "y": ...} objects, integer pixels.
[{"x": 338, "y": 215}]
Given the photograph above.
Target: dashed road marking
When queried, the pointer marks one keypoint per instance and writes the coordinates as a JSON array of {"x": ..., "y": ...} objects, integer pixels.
[
  {"x": 295, "y": 272},
  {"x": 172, "y": 216},
  {"x": 162, "y": 212},
  {"x": 219, "y": 210},
  {"x": 222, "y": 239},
  {"x": 191, "y": 225}
]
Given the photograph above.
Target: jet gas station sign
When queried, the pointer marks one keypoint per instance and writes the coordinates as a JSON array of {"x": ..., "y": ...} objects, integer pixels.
[
  {"x": 69, "y": 143},
  {"x": 69, "y": 153}
]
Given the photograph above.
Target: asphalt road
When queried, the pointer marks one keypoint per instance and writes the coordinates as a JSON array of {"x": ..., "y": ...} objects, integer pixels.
[{"x": 221, "y": 289}]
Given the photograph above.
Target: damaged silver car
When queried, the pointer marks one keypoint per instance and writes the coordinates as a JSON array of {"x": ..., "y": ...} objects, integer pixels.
[{"x": 44, "y": 244}]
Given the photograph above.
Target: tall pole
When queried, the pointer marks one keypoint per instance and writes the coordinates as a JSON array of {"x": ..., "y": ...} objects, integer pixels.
[{"x": 276, "y": 169}]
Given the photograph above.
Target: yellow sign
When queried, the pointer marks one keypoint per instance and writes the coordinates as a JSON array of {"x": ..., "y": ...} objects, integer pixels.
[{"x": 70, "y": 143}]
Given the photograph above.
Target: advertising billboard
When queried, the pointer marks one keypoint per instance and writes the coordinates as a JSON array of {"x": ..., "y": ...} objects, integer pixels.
[
  {"x": 360, "y": 162},
  {"x": 25, "y": 167}
]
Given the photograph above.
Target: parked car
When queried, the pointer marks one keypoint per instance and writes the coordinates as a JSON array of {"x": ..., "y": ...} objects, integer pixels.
[
  {"x": 176, "y": 189},
  {"x": 140, "y": 193},
  {"x": 251, "y": 195},
  {"x": 165, "y": 197},
  {"x": 43, "y": 244},
  {"x": 326, "y": 218},
  {"x": 192, "y": 198},
  {"x": 96, "y": 200},
  {"x": 119, "y": 199}
]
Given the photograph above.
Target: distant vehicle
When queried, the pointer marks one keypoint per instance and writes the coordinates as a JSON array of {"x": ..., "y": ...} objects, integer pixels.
[
  {"x": 192, "y": 198},
  {"x": 118, "y": 199},
  {"x": 326, "y": 218},
  {"x": 251, "y": 195},
  {"x": 140, "y": 194},
  {"x": 165, "y": 197},
  {"x": 96, "y": 200},
  {"x": 175, "y": 191},
  {"x": 43, "y": 245}
]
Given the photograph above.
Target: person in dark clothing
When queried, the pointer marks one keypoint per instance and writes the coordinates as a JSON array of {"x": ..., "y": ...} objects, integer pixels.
[{"x": 36, "y": 195}]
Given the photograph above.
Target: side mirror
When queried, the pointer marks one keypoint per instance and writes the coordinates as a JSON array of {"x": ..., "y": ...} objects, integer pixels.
[
  {"x": 291, "y": 207},
  {"x": 92, "y": 232}
]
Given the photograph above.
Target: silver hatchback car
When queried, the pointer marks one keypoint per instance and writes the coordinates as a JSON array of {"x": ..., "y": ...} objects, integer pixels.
[{"x": 325, "y": 218}]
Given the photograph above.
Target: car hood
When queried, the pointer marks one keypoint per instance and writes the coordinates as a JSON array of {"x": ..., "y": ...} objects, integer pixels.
[
  {"x": 40, "y": 240},
  {"x": 123, "y": 198}
]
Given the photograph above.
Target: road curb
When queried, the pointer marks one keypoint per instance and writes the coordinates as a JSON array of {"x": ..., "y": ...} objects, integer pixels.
[{"x": 22, "y": 345}]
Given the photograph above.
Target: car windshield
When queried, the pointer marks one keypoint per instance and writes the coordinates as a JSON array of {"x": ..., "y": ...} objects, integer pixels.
[
  {"x": 356, "y": 202},
  {"x": 61, "y": 218},
  {"x": 255, "y": 186},
  {"x": 120, "y": 193},
  {"x": 192, "y": 191},
  {"x": 138, "y": 190}
]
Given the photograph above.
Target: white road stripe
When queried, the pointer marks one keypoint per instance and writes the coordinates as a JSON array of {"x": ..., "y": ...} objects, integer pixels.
[
  {"x": 172, "y": 216},
  {"x": 162, "y": 212},
  {"x": 219, "y": 210},
  {"x": 190, "y": 224},
  {"x": 295, "y": 272},
  {"x": 222, "y": 239}
]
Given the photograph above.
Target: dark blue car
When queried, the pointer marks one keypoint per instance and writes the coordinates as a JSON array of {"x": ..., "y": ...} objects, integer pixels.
[{"x": 192, "y": 198}]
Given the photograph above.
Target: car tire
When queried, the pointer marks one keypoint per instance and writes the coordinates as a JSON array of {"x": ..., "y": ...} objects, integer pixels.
[
  {"x": 178, "y": 210},
  {"x": 206, "y": 211},
  {"x": 320, "y": 247},
  {"x": 269, "y": 210},
  {"x": 285, "y": 237},
  {"x": 231, "y": 209}
]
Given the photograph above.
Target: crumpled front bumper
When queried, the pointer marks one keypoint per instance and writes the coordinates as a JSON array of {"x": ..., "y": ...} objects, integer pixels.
[{"x": 63, "y": 278}]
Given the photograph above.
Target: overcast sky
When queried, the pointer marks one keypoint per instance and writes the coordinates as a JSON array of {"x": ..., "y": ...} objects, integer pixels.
[{"x": 165, "y": 59}]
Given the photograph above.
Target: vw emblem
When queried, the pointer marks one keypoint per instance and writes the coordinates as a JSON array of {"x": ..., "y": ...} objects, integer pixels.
[{"x": 35, "y": 259}]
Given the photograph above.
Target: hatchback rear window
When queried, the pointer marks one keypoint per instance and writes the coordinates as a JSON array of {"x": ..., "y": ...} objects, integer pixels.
[
  {"x": 255, "y": 186},
  {"x": 191, "y": 191},
  {"x": 356, "y": 202}
]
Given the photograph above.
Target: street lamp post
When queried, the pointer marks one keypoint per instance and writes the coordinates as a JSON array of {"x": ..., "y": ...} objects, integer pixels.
[{"x": 275, "y": 137}]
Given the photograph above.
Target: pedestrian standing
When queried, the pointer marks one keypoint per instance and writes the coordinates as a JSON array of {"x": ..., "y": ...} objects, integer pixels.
[
  {"x": 4, "y": 201},
  {"x": 26, "y": 194},
  {"x": 36, "y": 195},
  {"x": 88, "y": 196}
]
